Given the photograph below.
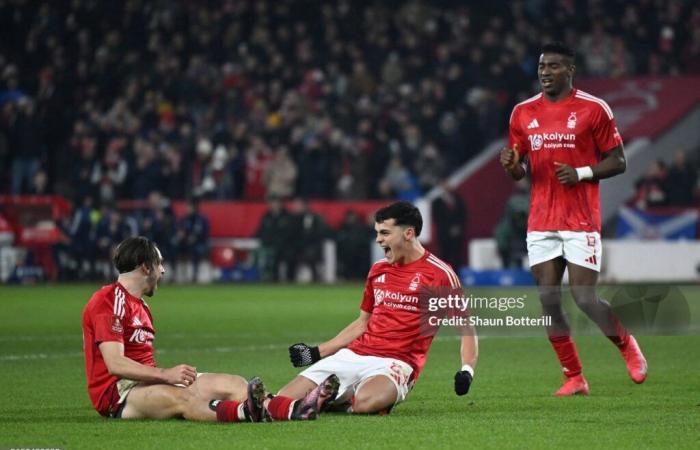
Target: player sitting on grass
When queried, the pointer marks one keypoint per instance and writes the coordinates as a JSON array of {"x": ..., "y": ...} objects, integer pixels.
[
  {"x": 123, "y": 379},
  {"x": 378, "y": 357}
]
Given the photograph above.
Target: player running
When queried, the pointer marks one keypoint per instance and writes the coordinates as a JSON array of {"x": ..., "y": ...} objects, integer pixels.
[
  {"x": 122, "y": 376},
  {"x": 378, "y": 357},
  {"x": 569, "y": 141}
]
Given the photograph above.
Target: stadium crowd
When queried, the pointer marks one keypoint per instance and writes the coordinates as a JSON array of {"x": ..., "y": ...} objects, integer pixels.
[{"x": 251, "y": 99}]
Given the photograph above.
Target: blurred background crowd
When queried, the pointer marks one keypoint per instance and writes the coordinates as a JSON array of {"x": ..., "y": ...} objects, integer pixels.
[
  {"x": 258, "y": 100},
  {"x": 252, "y": 99}
]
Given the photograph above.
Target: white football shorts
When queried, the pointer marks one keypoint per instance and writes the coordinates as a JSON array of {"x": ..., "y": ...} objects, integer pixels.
[
  {"x": 582, "y": 248},
  {"x": 353, "y": 370}
]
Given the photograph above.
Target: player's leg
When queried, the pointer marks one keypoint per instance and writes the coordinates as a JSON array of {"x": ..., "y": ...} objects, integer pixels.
[
  {"x": 548, "y": 276},
  {"x": 163, "y": 401},
  {"x": 377, "y": 394},
  {"x": 298, "y": 387},
  {"x": 220, "y": 386},
  {"x": 583, "y": 288},
  {"x": 304, "y": 405}
]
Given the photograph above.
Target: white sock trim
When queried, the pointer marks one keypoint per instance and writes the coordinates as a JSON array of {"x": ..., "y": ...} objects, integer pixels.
[{"x": 469, "y": 369}]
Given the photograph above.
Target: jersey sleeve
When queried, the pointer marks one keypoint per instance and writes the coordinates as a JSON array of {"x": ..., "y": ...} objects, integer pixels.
[
  {"x": 108, "y": 320},
  {"x": 367, "y": 304},
  {"x": 515, "y": 133},
  {"x": 604, "y": 128}
]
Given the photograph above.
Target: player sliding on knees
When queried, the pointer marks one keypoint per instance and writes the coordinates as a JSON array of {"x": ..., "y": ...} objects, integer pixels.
[
  {"x": 123, "y": 379},
  {"x": 378, "y": 357},
  {"x": 569, "y": 140}
]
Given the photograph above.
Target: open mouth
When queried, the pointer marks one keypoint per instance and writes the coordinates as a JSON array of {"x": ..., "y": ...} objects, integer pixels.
[
  {"x": 547, "y": 82},
  {"x": 387, "y": 251}
]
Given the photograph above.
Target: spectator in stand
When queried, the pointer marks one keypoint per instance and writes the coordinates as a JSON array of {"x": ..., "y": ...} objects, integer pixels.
[
  {"x": 109, "y": 175},
  {"x": 512, "y": 227},
  {"x": 274, "y": 232},
  {"x": 309, "y": 231},
  {"x": 353, "y": 239},
  {"x": 378, "y": 74},
  {"x": 22, "y": 132},
  {"x": 450, "y": 216},
  {"x": 112, "y": 228},
  {"x": 157, "y": 223},
  {"x": 681, "y": 181},
  {"x": 651, "y": 188},
  {"x": 280, "y": 174},
  {"x": 193, "y": 237}
]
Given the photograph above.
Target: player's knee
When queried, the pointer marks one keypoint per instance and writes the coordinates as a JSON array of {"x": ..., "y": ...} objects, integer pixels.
[
  {"x": 372, "y": 402},
  {"x": 236, "y": 386},
  {"x": 183, "y": 401},
  {"x": 585, "y": 299}
]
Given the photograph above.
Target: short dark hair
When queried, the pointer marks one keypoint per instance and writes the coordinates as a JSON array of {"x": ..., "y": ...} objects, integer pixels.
[
  {"x": 403, "y": 213},
  {"x": 560, "y": 49},
  {"x": 134, "y": 251}
]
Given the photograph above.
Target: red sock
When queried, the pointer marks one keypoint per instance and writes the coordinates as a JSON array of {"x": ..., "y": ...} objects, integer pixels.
[
  {"x": 229, "y": 411},
  {"x": 621, "y": 333},
  {"x": 279, "y": 407},
  {"x": 567, "y": 354}
]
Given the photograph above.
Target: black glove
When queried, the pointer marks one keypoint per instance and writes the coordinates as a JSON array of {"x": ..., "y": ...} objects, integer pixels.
[
  {"x": 303, "y": 355},
  {"x": 463, "y": 380}
]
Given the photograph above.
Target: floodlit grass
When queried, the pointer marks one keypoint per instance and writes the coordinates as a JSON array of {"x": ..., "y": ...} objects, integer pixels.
[{"x": 246, "y": 330}]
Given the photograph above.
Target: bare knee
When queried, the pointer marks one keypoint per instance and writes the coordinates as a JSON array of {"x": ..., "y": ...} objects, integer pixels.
[
  {"x": 220, "y": 386},
  {"x": 297, "y": 388},
  {"x": 375, "y": 398}
]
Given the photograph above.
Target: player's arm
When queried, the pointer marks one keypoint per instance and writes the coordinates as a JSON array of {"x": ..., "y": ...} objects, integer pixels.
[
  {"x": 346, "y": 336},
  {"x": 124, "y": 367},
  {"x": 513, "y": 158},
  {"x": 613, "y": 163},
  {"x": 304, "y": 355},
  {"x": 469, "y": 354},
  {"x": 512, "y": 164}
]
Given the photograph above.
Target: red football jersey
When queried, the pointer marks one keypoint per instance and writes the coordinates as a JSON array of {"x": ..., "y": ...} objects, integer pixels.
[
  {"x": 112, "y": 314},
  {"x": 392, "y": 297},
  {"x": 576, "y": 131}
]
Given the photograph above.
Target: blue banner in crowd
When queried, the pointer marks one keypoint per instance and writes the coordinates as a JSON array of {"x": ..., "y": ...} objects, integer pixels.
[{"x": 635, "y": 224}]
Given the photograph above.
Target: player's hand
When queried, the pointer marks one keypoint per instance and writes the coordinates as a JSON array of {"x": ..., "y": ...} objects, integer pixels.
[
  {"x": 463, "y": 381},
  {"x": 302, "y": 355},
  {"x": 566, "y": 174},
  {"x": 509, "y": 157},
  {"x": 182, "y": 374}
]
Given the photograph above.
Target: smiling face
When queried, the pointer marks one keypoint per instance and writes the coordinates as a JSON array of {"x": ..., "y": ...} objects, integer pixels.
[
  {"x": 556, "y": 73},
  {"x": 395, "y": 240}
]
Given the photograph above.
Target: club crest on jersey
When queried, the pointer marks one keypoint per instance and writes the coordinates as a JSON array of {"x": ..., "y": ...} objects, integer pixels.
[
  {"x": 571, "y": 121},
  {"x": 414, "y": 282},
  {"x": 378, "y": 296},
  {"x": 535, "y": 141},
  {"x": 117, "y": 325}
]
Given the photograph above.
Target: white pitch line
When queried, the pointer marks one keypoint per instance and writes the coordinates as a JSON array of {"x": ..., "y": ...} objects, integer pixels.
[{"x": 235, "y": 349}]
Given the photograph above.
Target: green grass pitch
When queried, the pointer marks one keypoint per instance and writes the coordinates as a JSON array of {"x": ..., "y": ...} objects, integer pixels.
[{"x": 245, "y": 329}]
